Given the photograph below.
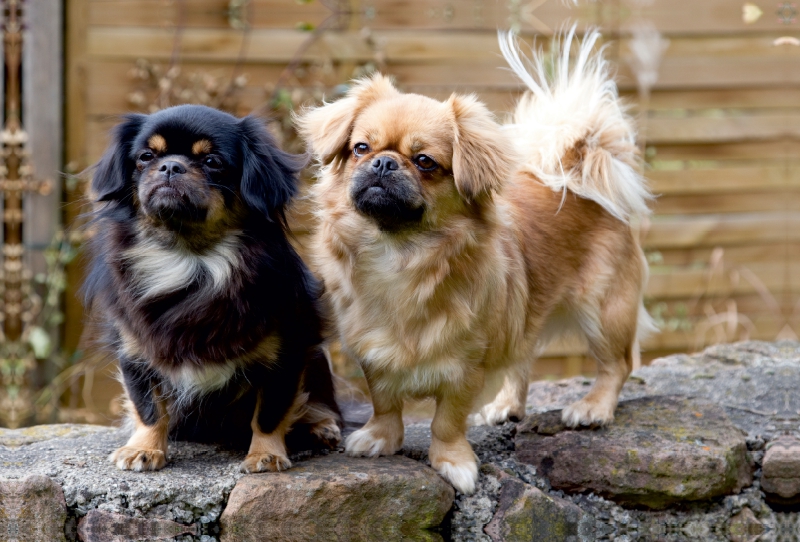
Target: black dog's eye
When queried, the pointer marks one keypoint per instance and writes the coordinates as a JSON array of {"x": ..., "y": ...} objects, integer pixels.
[
  {"x": 360, "y": 149},
  {"x": 212, "y": 161},
  {"x": 425, "y": 163},
  {"x": 146, "y": 156}
]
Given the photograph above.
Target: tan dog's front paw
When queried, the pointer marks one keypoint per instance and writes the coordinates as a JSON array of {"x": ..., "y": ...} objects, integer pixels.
[
  {"x": 137, "y": 459},
  {"x": 364, "y": 443},
  {"x": 497, "y": 413},
  {"x": 588, "y": 412},
  {"x": 463, "y": 476},
  {"x": 456, "y": 463},
  {"x": 264, "y": 462}
]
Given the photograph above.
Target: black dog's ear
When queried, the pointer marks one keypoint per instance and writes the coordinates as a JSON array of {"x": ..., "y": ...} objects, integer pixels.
[
  {"x": 112, "y": 173},
  {"x": 269, "y": 175}
]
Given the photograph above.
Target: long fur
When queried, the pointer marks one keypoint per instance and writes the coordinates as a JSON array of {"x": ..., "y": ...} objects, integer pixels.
[
  {"x": 520, "y": 234},
  {"x": 572, "y": 128},
  {"x": 214, "y": 317}
]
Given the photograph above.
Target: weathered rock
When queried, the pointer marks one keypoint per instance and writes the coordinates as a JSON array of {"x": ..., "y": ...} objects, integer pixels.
[
  {"x": 658, "y": 451},
  {"x": 339, "y": 498},
  {"x": 755, "y": 383},
  {"x": 780, "y": 470},
  {"x": 192, "y": 488},
  {"x": 99, "y": 526},
  {"x": 745, "y": 527},
  {"x": 526, "y": 513},
  {"x": 32, "y": 510}
]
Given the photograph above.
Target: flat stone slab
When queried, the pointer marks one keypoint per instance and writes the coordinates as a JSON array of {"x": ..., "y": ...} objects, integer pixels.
[
  {"x": 659, "y": 451},
  {"x": 339, "y": 498},
  {"x": 191, "y": 489},
  {"x": 755, "y": 383}
]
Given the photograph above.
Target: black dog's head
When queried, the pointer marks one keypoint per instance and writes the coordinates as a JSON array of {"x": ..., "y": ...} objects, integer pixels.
[{"x": 192, "y": 165}]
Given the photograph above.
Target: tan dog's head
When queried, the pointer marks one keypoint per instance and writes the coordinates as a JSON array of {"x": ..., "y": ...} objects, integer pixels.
[{"x": 404, "y": 160}]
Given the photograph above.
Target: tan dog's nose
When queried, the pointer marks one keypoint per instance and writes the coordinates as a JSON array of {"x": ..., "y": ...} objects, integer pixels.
[{"x": 383, "y": 165}]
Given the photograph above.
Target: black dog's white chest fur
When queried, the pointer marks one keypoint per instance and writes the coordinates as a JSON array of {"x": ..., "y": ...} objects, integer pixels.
[{"x": 156, "y": 270}]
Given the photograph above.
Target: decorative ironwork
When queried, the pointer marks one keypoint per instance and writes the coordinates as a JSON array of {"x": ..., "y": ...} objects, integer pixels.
[
  {"x": 18, "y": 304},
  {"x": 16, "y": 175}
]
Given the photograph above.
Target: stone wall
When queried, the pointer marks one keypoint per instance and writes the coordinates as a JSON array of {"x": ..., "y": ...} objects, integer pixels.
[{"x": 704, "y": 447}]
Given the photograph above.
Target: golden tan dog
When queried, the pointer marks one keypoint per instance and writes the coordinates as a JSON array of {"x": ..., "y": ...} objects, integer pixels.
[{"x": 453, "y": 249}]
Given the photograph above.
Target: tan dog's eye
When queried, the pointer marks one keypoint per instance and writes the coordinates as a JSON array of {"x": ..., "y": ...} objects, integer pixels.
[
  {"x": 425, "y": 163},
  {"x": 360, "y": 149},
  {"x": 146, "y": 156}
]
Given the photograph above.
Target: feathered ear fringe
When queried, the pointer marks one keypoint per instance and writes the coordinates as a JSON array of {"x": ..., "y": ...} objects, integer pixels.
[
  {"x": 111, "y": 176},
  {"x": 482, "y": 155},
  {"x": 572, "y": 128},
  {"x": 326, "y": 129},
  {"x": 269, "y": 175}
]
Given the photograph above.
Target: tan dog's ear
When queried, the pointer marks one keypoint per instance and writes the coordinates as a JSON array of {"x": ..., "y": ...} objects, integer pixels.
[
  {"x": 483, "y": 157},
  {"x": 327, "y": 129}
]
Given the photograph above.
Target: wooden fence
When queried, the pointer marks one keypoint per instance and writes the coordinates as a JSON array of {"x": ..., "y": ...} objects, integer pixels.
[{"x": 722, "y": 120}]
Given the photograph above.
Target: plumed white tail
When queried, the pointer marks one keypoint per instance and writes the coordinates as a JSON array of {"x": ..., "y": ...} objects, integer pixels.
[{"x": 572, "y": 129}]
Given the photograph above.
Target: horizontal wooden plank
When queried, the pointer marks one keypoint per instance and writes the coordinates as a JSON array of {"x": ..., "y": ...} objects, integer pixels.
[
  {"x": 714, "y": 230},
  {"x": 776, "y": 177},
  {"x": 747, "y": 202},
  {"x": 665, "y": 102},
  {"x": 689, "y": 62},
  {"x": 203, "y": 13},
  {"x": 260, "y": 14},
  {"x": 670, "y": 16},
  {"x": 686, "y": 17},
  {"x": 731, "y": 127},
  {"x": 778, "y": 253},
  {"x": 772, "y": 153},
  {"x": 676, "y": 283}
]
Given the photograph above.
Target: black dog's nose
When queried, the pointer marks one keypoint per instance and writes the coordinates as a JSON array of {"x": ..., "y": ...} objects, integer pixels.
[
  {"x": 382, "y": 165},
  {"x": 171, "y": 168}
]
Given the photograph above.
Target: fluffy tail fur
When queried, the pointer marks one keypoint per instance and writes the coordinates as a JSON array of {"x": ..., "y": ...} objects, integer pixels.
[{"x": 572, "y": 129}]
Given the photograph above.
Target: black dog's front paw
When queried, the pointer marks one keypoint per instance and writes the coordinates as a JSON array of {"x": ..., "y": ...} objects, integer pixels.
[{"x": 137, "y": 459}]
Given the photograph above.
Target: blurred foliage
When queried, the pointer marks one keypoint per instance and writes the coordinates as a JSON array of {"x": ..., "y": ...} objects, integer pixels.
[
  {"x": 159, "y": 87},
  {"x": 36, "y": 354}
]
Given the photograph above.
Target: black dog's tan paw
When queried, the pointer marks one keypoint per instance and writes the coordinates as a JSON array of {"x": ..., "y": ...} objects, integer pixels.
[
  {"x": 264, "y": 462},
  {"x": 327, "y": 433},
  {"x": 137, "y": 459}
]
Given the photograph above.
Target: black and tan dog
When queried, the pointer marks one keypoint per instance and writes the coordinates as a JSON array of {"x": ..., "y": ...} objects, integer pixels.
[{"x": 211, "y": 312}]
